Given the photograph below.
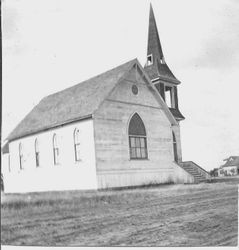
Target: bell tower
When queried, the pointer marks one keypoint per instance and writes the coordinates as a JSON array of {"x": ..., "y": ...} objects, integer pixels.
[{"x": 158, "y": 70}]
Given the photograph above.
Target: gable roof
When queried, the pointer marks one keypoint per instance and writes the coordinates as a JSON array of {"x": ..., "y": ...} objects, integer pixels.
[
  {"x": 231, "y": 161},
  {"x": 78, "y": 102},
  {"x": 5, "y": 148},
  {"x": 74, "y": 103}
]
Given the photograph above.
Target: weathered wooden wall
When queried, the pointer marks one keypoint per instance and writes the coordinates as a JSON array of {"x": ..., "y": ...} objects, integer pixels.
[{"x": 114, "y": 166}]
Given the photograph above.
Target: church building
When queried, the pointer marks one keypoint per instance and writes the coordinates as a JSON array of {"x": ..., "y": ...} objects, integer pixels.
[{"x": 120, "y": 128}]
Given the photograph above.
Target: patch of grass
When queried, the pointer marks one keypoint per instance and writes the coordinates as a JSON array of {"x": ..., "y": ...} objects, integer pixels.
[{"x": 170, "y": 215}]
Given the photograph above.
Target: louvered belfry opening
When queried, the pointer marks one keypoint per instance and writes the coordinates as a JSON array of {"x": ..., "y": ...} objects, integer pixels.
[{"x": 137, "y": 138}]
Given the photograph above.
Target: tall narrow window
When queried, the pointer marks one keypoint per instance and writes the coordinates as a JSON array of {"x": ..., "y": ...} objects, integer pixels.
[
  {"x": 175, "y": 148},
  {"x": 21, "y": 156},
  {"x": 37, "y": 153},
  {"x": 137, "y": 138},
  {"x": 77, "y": 144},
  {"x": 55, "y": 150}
]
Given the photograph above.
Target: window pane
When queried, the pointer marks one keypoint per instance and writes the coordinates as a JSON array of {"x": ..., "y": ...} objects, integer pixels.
[
  {"x": 133, "y": 153},
  {"x": 54, "y": 152},
  {"x": 21, "y": 162},
  {"x": 78, "y": 152},
  {"x": 137, "y": 142},
  {"x": 57, "y": 155},
  {"x": 57, "y": 159},
  {"x": 132, "y": 142},
  {"x": 142, "y": 142},
  {"x": 77, "y": 155},
  {"x": 37, "y": 159},
  {"x": 138, "y": 153},
  {"x": 36, "y": 146}
]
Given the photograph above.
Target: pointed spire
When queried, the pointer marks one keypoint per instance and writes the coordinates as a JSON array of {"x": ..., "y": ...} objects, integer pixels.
[
  {"x": 156, "y": 65},
  {"x": 154, "y": 45}
]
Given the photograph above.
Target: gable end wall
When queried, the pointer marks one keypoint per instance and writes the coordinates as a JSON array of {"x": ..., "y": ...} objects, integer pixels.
[{"x": 114, "y": 167}]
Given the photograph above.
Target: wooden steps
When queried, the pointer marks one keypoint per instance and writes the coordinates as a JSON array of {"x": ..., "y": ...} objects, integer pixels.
[{"x": 199, "y": 174}]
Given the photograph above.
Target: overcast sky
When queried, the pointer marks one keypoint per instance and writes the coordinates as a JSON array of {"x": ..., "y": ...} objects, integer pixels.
[{"x": 49, "y": 45}]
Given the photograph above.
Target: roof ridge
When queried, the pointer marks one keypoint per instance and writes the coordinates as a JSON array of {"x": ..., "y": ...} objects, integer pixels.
[
  {"x": 91, "y": 78},
  {"x": 79, "y": 100},
  {"x": 131, "y": 63}
]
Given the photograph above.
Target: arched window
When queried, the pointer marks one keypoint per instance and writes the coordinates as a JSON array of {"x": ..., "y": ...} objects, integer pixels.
[
  {"x": 55, "y": 150},
  {"x": 137, "y": 138},
  {"x": 175, "y": 152},
  {"x": 21, "y": 155},
  {"x": 77, "y": 144},
  {"x": 37, "y": 153}
]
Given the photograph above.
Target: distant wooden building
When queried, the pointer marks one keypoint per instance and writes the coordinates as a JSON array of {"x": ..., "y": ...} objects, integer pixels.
[
  {"x": 230, "y": 167},
  {"x": 120, "y": 128}
]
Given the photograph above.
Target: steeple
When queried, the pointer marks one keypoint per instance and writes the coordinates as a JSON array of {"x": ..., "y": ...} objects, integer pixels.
[
  {"x": 158, "y": 70},
  {"x": 156, "y": 65},
  {"x": 154, "y": 45}
]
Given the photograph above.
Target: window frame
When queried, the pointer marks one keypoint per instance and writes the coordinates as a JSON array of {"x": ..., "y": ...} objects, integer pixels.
[
  {"x": 77, "y": 145},
  {"x": 56, "y": 151},
  {"x": 139, "y": 148},
  {"x": 37, "y": 153},
  {"x": 20, "y": 152},
  {"x": 137, "y": 151}
]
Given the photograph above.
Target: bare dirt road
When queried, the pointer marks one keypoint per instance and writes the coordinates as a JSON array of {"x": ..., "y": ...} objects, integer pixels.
[{"x": 173, "y": 215}]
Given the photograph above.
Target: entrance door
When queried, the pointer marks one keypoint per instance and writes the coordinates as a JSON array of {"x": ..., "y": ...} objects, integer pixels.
[{"x": 175, "y": 151}]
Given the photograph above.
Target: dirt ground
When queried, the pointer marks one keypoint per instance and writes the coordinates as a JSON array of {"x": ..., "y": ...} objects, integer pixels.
[{"x": 171, "y": 215}]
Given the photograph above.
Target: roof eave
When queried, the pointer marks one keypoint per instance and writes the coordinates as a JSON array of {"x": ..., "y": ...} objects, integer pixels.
[
  {"x": 169, "y": 79},
  {"x": 163, "y": 78},
  {"x": 13, "y": 138}
]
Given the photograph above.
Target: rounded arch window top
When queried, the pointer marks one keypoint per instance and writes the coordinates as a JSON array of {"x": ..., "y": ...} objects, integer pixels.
[
  {"x": 20, "y": 148},
  {"x": 55, "y": 140},
  {"x": 77, "y": 135},
  {"x": 36, "y": 145}
]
